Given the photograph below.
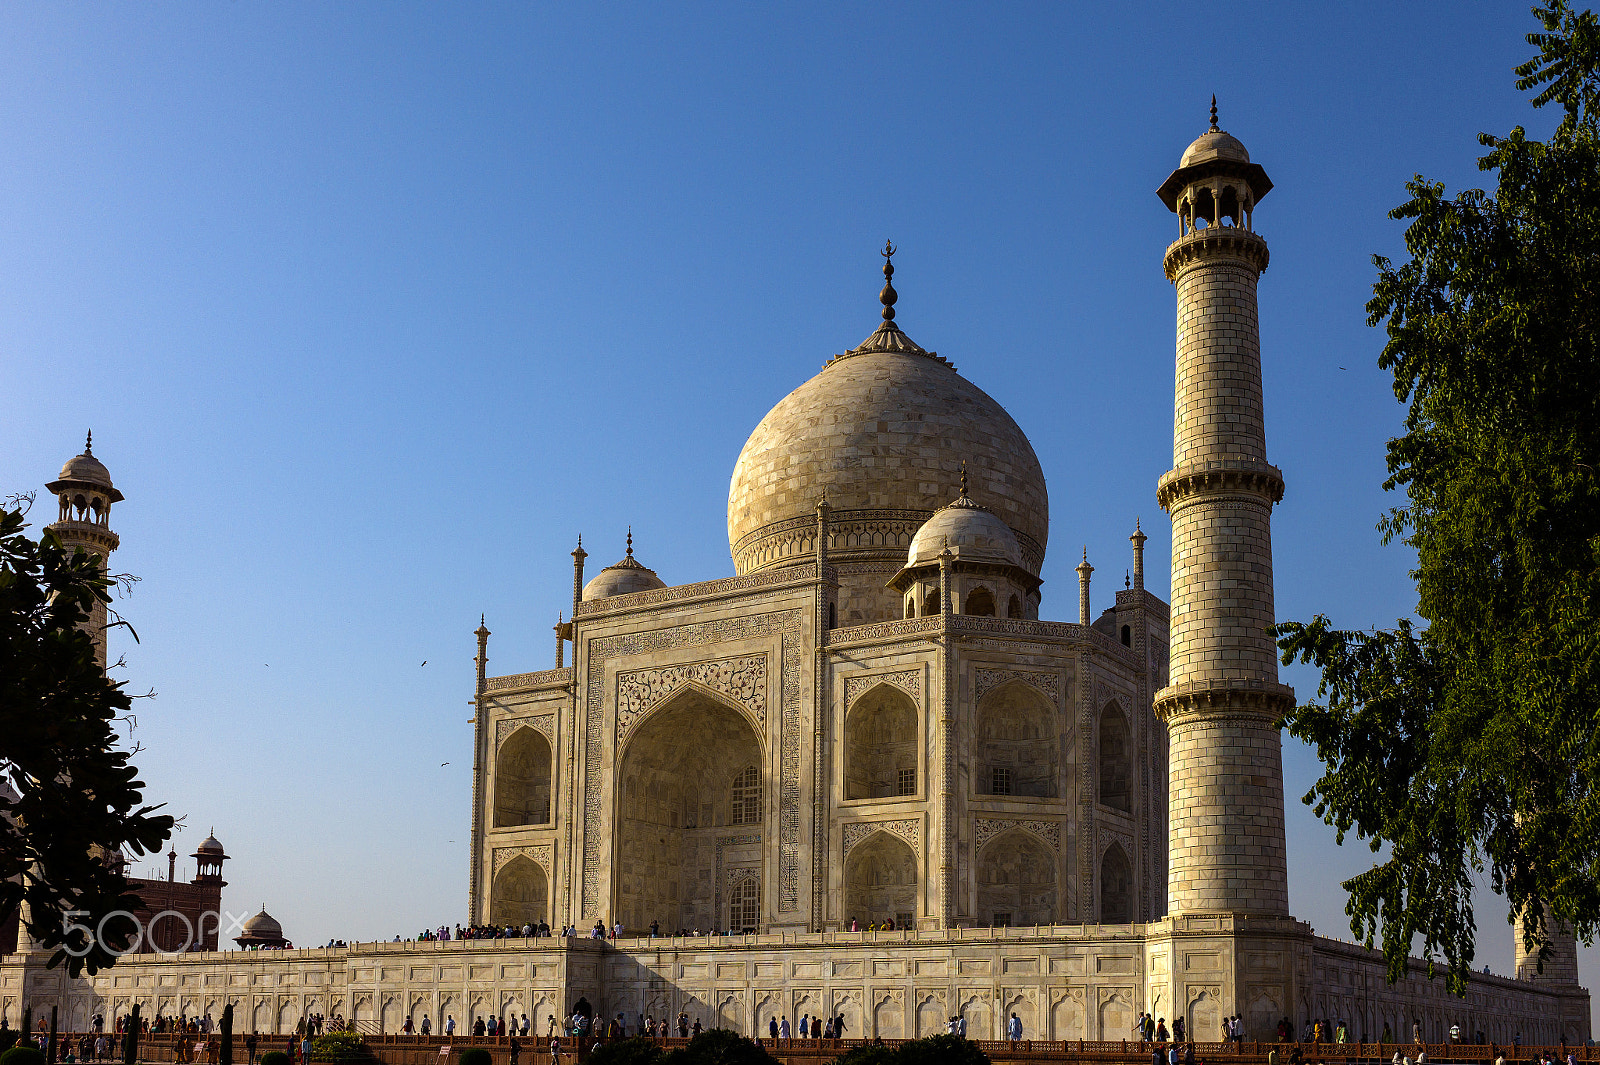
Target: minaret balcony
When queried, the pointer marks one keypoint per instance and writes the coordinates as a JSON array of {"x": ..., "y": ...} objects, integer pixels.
[{"x": 1212, "y": 243}]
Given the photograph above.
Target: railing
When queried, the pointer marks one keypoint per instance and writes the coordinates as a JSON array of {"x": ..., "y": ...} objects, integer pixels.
[{"x": 535, "y": 1049}]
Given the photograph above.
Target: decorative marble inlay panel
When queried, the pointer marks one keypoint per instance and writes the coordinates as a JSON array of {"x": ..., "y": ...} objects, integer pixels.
[
  {"x": 884, "y": 630},
  {"x": 986, "y": 828},
  {"x": 986, "y": 680},
  {"x": 743, "y": 679},
  {"x": 909, "y": 829},
  {"x": 544, "y": 723},
  {"x": 1105, "y": 693},
  {"x": 789, "y": 776},
  {"x": 529, "y": 680},
  {"x": 650, "y": 641},
  {"x": 909, "y": 681},
  {"x": 539, "y": 853}
]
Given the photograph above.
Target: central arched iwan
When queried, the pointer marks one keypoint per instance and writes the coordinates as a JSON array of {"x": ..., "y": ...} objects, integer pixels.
[{"x": 691, "y": 769}]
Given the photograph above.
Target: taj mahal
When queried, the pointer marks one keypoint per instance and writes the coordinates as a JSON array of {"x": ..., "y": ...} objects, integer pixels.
[{"x": 873, "y": 724}]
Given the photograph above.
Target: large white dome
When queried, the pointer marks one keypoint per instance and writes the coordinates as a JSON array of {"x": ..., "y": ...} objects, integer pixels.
[{"x": 883, "y": 430}]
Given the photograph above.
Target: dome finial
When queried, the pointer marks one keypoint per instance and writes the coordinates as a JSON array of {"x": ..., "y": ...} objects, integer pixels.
[
  {"x": 1213, "y": 128},
  {"x": 630, "y": 541},
  {"x": 888, "y": 296},
  {"x": 88, "y": 443},
  {"x": 963, "y": 478}
]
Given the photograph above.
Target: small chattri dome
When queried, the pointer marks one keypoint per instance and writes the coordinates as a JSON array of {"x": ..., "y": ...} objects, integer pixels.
[
  {"x": 263, "y": 926},
  {"x": 620, "y": 578},
  {"x": 972, "y": 532},
  {"x": 210, "y": 845},
  {"x": 1214, "y": 144},
  {"x": 86, "y": 467}
]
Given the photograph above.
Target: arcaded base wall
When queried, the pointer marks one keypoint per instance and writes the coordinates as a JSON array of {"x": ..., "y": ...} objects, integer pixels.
[{"x": 1064, "y": 983}]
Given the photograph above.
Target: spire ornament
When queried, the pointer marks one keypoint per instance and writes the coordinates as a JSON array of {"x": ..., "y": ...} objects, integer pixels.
[
  {"x": 630, "y": 541},
  {"x": 1213, "y": 128},
  {"x": 88, "y": 443},
  {"x": 888, "y": 296}
]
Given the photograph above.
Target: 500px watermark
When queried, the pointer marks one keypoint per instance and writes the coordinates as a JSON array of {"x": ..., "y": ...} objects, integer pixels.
[{"x": 128, "y": 938}]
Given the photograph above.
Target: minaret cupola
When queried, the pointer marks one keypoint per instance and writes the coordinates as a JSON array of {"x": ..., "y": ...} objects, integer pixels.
[
  {"x": 1215, "y": 184},
  {"x": 86, "y": 493}
]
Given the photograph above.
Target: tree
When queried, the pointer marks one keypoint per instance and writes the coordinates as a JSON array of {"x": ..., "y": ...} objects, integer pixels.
[
  {"x": 78, "y": 796},
  {"x": 1473, "y": 743}
]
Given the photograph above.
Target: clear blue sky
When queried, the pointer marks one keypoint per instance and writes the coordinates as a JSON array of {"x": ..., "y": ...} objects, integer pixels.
[{"x": 374, "y": 307}]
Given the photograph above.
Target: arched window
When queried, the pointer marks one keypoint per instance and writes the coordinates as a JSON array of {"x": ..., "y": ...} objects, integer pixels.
[
  {"x": 1014, "y": 607},
  {"x": 1016, "y": 881},
  {"x": 522, "y": 780},
  {"x": 880, "y": 745},
  {"x": 746, "y": 806},
  {"x": 1014, "y": 743},
  {"x": 1114, "y": 759},
  {"x": 911, "y": 605},
  {"x": 880, "y": 880},
  {"x": 519, "y": 894},
  {"x": 744, "y": 905},
  {"x": 980, "y": 603},
  {"x": 833, "y": 615},
  {"x": 1116, "y": 887},
  {"x": 1127, "y": 636},
  {"x": 930, "y": 603}
]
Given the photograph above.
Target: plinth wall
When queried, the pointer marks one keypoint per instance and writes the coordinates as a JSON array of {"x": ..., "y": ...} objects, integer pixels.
[{"x": 1064, "y": 982}]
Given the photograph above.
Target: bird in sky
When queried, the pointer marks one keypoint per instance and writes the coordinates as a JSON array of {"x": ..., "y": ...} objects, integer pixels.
[
  {"x": 424, "y": 662},
  {"x": 443, "y": 764}
]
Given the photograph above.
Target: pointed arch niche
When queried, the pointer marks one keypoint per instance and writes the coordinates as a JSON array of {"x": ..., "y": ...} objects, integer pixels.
[
  {"x": 880, "y": 881},
  {"x": 1116, "y": 759},
  {"x": 880, "y": 745},
  {"x": 1017, "y": 880},
  {"x": 692, "y": 768},
  {"x": 1116, "y": 886},
  {"x": 1015, "y": 749},
  {"x": 520, "y": 895},
  {"x": 522, "y": 780}
]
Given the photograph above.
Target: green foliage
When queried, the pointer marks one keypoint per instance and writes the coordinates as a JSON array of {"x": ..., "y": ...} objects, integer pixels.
[
  {"x": 59, "y": 751},
  {"x": 869, "y": 1055},
  {"x": 635, "y": 1051},
  {"x": 940, "y": 1050},
  {"x": 22, "y": 1055},
  {"x": 338, "y": 1046},
  {"x": 476, "y": 1056},
  {"x": 1472, "y": 743},
  {"x": 275, "y": 1057},
  {"x": 718, "y": 1046}
]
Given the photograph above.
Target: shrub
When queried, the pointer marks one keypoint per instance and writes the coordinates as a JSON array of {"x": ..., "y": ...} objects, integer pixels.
[
  {"x": 635, "y": 1051},
  {"x": 336, "y": 1046},
  {"x": 476, "y": 1056},
  {"x": 274, "y": 1057},
  {"x": 869, "y": 1055},
  {"x": 718, "y": 1046},
  {"x": 22, "y": 1055},
  {"x": 8, "y": 1039},
  {"x": 941, "y": 1050}
]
